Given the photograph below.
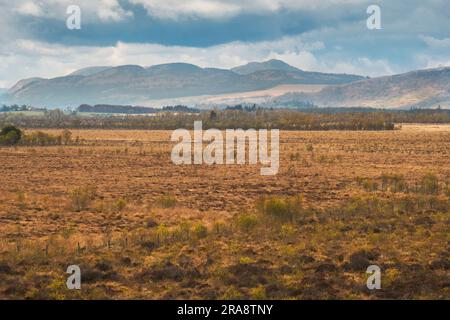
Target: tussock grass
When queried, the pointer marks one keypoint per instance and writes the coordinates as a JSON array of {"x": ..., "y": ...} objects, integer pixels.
[
  {"x": 284, "y": 209},
  {"x": 166, "y": 201},
  {"x": 82, "y": 197}
]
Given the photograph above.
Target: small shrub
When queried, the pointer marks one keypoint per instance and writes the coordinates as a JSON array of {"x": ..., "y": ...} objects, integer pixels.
[
  {"x": 246, "y": 260},
  {"x": 384, "y": 182},
  {"x": 66, "y": 137},
  {"x": 166, "y": 201},
  {"x": 184, "y": 230},
  {"x": 162, "y": 233},
  {"x": 82, "y": 197},
  {"x": 279, "y": 208},
  {"x": 220, "y": 227},
  {"x": 288, "y": 231},
  {"x": 399, "y": 183},
  {"x": 370, "y": 185},
  {"x": 247, "y": 222},
  {"x": 232, "y": 294},
  {"x": 151, "y": 223},
  {"x": 21, "y": 198},
  {"x": 294, "y": 156},
  {"x": 40, "y": 138},
  {"x": 10, "y": 136},
  {"x": 200, "y": 231},
  {"x": 393, "y": 183},
  {"x": 258, "y": 293},
  {"x": 323, "y": 159},
  {"x": 430, "y": 184},
  {"x": 120, "y": 205}
]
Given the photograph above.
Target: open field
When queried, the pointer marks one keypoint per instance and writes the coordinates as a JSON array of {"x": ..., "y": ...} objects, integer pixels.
[
  {"x": 425, "y": 127},
  {"x": 142, "y": 227},
  {"x": 256, "y": 96}
]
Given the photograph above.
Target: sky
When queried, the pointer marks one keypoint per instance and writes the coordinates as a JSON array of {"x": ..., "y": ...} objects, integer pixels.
[{"x": 313, "y": 35}]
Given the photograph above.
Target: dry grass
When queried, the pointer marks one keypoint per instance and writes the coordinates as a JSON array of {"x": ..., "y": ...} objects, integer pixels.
[{"x": 155, "y": 230}]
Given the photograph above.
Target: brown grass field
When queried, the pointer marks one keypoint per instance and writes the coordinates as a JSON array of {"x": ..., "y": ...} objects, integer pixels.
[{"x": 141, "y": 227}]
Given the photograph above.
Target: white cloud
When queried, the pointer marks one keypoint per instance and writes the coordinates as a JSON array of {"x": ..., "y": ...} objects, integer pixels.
[
  {"x": 92, "y": 10},
  {"x": 436, "y": 43},
  {"x": 362, "y": 66},
  {"x": 307, "y": 61},
  {"x": 111, "y": 10},
  {"x": 28, "y": 8},
  {"x": 165, "y": 9},
  {"x": 172, "y": 9},
  {"x": 432, "y": 61},
  {"x": 211, "y": 9}
]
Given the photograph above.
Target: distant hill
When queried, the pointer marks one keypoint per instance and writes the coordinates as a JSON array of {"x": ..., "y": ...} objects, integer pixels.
[
  {"x": 22, "y": 84},
  {"x": 424, "y": 88},
  {"x": 267, "y": 65},
  {"x": 133, "y": 84},
  {"x": 279, "y": 72},
  {"x": 88, "y": 71}
]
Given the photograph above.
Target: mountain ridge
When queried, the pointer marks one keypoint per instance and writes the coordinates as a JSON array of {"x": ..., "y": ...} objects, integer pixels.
[
  {"x": 272, "y": 64},
  {"x": 425, "y": 88},
  {"x": 131, "y": 84},
  {"x": 134, "y": 84}
]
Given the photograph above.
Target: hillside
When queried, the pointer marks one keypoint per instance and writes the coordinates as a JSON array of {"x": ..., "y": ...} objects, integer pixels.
[
  {"x": 133, "y": 84},
  {"x": 423, "y": 88}
]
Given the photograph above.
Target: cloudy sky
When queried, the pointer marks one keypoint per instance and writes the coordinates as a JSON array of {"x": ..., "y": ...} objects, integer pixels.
[{"x": 315, "y": 35}]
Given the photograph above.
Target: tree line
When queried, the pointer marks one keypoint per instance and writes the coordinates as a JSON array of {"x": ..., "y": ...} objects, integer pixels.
[{"x": 257, "y": 118}]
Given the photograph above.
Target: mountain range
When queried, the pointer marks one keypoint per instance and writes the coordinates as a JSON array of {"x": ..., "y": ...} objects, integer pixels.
[{"x": 133, "y": 84}]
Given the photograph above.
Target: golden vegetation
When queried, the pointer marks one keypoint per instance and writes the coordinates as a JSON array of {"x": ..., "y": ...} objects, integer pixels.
[{"x": 140, "y": 227}]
